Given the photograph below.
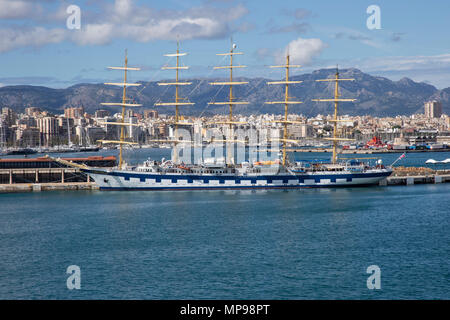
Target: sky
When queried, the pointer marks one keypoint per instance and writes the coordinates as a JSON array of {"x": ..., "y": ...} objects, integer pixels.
[{"x": 38, "y": 48}]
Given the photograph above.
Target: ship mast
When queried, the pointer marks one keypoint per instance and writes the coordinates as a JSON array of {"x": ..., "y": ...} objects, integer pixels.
[
  {"x": 335, "y": 120},
  {"x": 123, "y": 104},
  {"x": 231, "y": 100},
  {"x": 177, "y": 101},
  {"x": 286, "y": 103}
]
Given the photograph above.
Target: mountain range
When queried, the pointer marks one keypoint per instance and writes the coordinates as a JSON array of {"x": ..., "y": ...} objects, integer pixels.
[{"x": 376, "y": 96}]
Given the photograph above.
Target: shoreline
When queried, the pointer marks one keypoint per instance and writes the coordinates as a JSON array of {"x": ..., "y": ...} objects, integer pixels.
[{"x": 380, "y": 151}]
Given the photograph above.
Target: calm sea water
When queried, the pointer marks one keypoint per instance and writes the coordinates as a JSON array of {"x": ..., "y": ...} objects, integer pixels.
[{"x": 298, "y": 244}]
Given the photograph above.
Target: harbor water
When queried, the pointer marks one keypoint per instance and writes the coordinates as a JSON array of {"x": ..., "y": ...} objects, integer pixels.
[{"x": 296, "y": 244}]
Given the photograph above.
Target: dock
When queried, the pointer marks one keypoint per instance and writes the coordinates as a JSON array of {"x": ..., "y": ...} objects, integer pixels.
[
  {"x": 36, "y": 187},
  {"x": 44, "y": 174},
  {"x": 416, "y": 175},
  {"x": 40, "y": 179},
  {"x": 360, "y": 151},
  {"x": 412, "y": 180}
]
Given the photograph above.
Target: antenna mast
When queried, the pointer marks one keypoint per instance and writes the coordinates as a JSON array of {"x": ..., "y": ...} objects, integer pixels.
[{"x": 335, "y": 120}]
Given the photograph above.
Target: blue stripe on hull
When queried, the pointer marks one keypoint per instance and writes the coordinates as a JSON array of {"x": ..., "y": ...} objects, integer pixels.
[
  {"x": 219, "y": 182},
  {"x": 253, "y": 179},
  {"x": 237, "y": 187}
]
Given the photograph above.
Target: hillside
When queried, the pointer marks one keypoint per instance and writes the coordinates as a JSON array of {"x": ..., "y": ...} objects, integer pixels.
[{"x": 377, "y": 96}]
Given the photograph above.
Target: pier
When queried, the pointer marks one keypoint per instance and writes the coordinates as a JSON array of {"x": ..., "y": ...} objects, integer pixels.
[
  {"x": 36, "y": 187},
  {"x": 23, "y": 180},
  {"x": 414, "y": 175},
  {"x": 360, "y": 151},
  {"x": 44, "y": 174},
  {"x": 411, "y": 180},
  {"x": 39, "y": 175}
]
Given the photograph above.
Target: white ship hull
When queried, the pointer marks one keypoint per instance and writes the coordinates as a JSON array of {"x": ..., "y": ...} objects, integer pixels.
[{"x": 132, "y": 180}]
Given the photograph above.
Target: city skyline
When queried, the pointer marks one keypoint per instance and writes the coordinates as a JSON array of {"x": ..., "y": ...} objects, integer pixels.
[{"x": 38, "y": 127}]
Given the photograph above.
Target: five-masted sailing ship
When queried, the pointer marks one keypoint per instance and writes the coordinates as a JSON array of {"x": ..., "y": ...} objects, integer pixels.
[{"x": 171, "y": 175}]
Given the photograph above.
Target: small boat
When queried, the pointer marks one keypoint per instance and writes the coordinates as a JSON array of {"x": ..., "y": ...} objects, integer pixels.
[
  {"x": 20, "y": 151},
  {"x": 432, "y": 161}
]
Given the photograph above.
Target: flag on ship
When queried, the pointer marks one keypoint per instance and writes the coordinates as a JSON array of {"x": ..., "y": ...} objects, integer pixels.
[{"x": 399, "y": 158}]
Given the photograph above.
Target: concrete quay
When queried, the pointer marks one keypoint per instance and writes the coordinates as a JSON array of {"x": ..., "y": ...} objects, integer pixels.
[
  {"x": 70, "y": 186},
  {"x": 37, "y": 187},
  {"x": 411, "y": 180},
  {"x": 362, "y": 151}
]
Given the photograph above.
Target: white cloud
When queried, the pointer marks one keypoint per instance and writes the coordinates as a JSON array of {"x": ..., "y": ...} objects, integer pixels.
[
  {"x": 93, "y": 34},
  {"x": 123, "y": 7},
  {"x": 35, "y": 37},
  {"x": 431, "y": 69},
  {"x": 144, "y": 24},
  {"x": 14, "y": 9},
  {"x": 303, "y": 51},
  {"x": 405, "y": 63},
  {"x": 123, "y": 19},
  {"x": 349, "y": 34}
]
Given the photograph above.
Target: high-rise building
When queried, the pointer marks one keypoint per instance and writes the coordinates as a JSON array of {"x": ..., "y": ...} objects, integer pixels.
[
  {"x": 49, "y": 129},
  {"x": 27, "y": 136},
  {"x": 74, "y": 112},
  {"x": 3, "y": 132},
  {"x": 129, "y": 113},
  {"x": 150, "y": 114},
  {"x": 32, "y": 111},
  {"x": 433, "y": 109},
  {"x": 10, "y": 116},
  {"x": 301, "y": 131},
  {"x": 101, "y": 113}
]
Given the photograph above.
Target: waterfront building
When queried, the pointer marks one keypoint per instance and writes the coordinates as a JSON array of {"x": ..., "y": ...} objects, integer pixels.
[
  {"x": 74, "y": 112},
  {"x": 3, "y": 133},
  {"x": 49, "y": 129},
  {"x": 301, "y": 131},
  {"x": 26, "y": 120},
  {"x": 27, "y": 136},
  {"x": 9, "y": 115},
  {"x": 32, "y": 111},
  {"x": 101, "y": 114},
  {"x": 94, "y": 133},
  {"x": 150, "y": 114},
  {"x": 433, "y": 109}
]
